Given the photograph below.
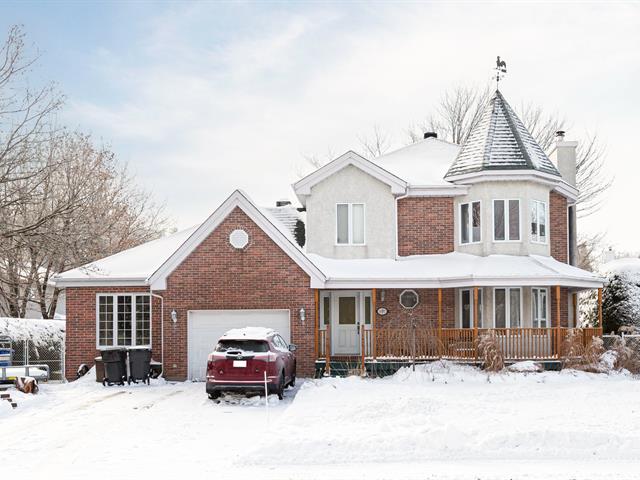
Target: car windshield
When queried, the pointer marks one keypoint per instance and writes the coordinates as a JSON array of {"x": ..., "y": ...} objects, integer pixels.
[{"x": 244, "y": 345}]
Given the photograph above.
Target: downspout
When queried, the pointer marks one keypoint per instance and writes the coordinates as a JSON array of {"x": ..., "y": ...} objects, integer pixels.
[
  {"x": 161, "y": 330},
  {"x": 395, "y": 213}
]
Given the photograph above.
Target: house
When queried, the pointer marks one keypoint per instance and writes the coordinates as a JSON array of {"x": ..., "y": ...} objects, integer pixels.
[{"x": 413, "y": 255}]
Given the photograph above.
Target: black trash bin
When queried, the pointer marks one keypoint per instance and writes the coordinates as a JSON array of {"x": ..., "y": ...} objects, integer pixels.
[
  {"x": 139, "y": 365},
  {"x": 115, "y": 366}
]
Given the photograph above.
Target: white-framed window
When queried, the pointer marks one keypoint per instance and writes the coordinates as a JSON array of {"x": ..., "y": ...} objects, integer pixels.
[
  {"x": 540, "y": 307},
  {"x": 506, "y": 220},
  {"x": 538, "y": 215},
  {"x": 470, "y": 223},
  {"x": 123, "y": 320},
  {"x": 507, "y": 307},
  {"x": 466, "y": 308},
  {"x": 350, "y": 224}
]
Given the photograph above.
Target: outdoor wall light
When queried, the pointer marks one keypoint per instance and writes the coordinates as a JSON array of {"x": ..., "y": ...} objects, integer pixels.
[
  {"x": 174, "y": 316},
  {"x": 303, "y": 315}
]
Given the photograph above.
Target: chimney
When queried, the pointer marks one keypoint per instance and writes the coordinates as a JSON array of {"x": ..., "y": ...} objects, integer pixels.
[
  {"x": 282, "y": 203},
  {"x": 430, "y": 135},
  {"x": 563, "y": 156}
]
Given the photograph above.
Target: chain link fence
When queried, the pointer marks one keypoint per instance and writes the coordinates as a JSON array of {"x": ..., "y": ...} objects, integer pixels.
[
  {"x": 631, "y": 341},
  {"x": 26, "y": 352}
]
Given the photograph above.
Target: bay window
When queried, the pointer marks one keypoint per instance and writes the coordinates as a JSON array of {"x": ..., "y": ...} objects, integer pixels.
[
  {"x": 539, "y": 304},
  {"x": 350, "y": 223},
  {"x": 538, "y": 221},
  {"x": 506, "y": 220},
  {"x": 470, "y": 224},
  {"x": 124, "y": 320},
  {"x": 507, "y": 307}
]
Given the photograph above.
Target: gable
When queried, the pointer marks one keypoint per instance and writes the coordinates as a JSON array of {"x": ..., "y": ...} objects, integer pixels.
[
  {"x": 236, "y": 201},
  {"x": 303, "y": 187}
]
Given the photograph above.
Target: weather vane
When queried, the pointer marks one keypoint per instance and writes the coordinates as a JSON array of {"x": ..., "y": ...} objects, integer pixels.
[{"x": 501, "y": 70}]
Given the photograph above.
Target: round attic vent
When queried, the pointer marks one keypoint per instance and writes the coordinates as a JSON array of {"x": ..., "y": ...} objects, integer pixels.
[{"x": 239, "y": 239}]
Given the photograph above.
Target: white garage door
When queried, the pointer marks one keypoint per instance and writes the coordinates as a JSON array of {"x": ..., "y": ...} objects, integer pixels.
[{"x": 205, "y": 327}]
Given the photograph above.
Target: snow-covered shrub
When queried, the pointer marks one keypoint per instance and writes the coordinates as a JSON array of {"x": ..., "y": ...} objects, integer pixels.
[
  {"x": 491, "y": 353},
  {"x": 626, "y": 358}
]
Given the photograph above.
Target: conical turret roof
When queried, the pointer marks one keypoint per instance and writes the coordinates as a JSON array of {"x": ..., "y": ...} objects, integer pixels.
[{"x": 500, "y": 141}]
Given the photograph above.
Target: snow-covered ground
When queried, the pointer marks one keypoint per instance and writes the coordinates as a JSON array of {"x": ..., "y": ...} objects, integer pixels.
[{"x": 442, "y": 421}]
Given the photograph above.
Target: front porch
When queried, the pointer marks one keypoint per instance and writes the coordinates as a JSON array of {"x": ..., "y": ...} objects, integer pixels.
[{"x": 352, "y": 337}]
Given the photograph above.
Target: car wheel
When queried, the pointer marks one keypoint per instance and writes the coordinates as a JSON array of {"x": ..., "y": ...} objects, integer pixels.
[
  {"x": 292, "y": 383},
  {"x": 214, "y": 395},
  {"x": 280, "y": 390}
]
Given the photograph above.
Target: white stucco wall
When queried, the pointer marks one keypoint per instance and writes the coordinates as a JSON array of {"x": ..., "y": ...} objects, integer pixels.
[
  {"x": 486, "y": 192},
  {"x": 351, "y": 185}
]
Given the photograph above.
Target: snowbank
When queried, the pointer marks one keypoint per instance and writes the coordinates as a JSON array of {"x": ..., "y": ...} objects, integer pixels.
[{"x": 40, "y": 332}]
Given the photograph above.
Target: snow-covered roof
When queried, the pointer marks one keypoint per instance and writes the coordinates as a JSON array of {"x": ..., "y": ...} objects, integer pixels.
[
  {"x": 287, "y": 215},
  {"x": 133, "y": 264},
  {"x": 422, "y": 163},
  {"x": 627, "y": 265},
  {"x": 136, "y": 266},
  {"x": 500, "y": 141},
  {"x": 248, "y": 333},
  {"x": 452, "y": 270}
]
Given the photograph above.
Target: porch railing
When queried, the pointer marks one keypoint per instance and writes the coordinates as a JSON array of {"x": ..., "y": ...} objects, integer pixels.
[{"x": 461, "y": 343}]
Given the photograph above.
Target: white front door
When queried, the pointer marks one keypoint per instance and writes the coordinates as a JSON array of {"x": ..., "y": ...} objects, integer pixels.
[{"x": 344, "y": 337}]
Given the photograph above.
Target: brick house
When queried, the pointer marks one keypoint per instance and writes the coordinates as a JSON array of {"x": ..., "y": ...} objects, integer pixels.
[{"x": 413, "y": 255}]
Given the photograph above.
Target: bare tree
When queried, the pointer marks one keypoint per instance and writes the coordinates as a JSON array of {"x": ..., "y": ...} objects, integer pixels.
[
  {"x": 63, "y": 200},
  {"x": 375, "y": 145}
]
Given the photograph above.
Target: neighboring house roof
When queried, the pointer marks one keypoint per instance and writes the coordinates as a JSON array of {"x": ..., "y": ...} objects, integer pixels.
[
  {"x": 500, "y": 141},
  {"x": 453, "y": 270},
  {"x": 151, "y": 262}
]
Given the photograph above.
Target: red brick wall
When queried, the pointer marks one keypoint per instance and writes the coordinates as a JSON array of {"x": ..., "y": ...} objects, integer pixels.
[
  {"x": 564, "y": 307},
  {"x": 81, "y": 325},
  {"x": 425, "y": 225},
  {"x": 558, "y": 227},
  {"x": 217, "y": 276},
  {"x": 425, "y": 314}
]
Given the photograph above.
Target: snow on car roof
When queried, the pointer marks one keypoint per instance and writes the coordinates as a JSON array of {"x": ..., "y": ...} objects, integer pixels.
[{"x": 248, "y": 333}]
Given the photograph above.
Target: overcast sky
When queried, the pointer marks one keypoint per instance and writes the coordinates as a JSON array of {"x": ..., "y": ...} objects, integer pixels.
[{"x": 203, "y": 98}]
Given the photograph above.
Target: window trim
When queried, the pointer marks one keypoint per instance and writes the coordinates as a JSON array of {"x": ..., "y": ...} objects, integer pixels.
[
  {"x": 480, "y": 304},
  {"x": 546, "y": 222},
  {"x": 507, "y": 319},
  {"x": 350, "y": 225},
  {"x": 507, "y": 230},
  {"x": 547, "y": 312},
  {"x": 114, "y": 318},
  {"x": 470, "y": 242}
]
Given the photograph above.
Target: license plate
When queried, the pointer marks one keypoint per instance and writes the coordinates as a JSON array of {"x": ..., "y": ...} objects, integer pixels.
[{"x": 240, "y": 363}]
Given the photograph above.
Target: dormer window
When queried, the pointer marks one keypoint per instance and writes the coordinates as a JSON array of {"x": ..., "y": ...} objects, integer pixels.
[
  {"x": 470, "y": 225},
  {"x": 350, "y": 224},
  {"x": 506, "y": 220},
  {"x": 538, "y": 221}
]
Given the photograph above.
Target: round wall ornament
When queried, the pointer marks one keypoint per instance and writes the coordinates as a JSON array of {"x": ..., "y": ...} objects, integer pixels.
[
  {"x": 382, "y": 311},
  {"x": 239, "y": 239}
]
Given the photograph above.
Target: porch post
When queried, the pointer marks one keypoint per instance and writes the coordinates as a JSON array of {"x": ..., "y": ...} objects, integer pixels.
[
  {"x": 362, "y": 353},
  {"x": 558, "y": 341},
  {"x": 374, "y": 293},
  {"x": 440, "y": 322},
  {"x": 475, "y": 318},
  {"x": 600, "y": 326},
  {"x": 574, "y": 302},
  {"x": 317, "y": 322}
]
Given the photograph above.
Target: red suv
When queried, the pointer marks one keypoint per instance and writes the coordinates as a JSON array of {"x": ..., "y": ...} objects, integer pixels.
[{"x": 245, "y": 357}]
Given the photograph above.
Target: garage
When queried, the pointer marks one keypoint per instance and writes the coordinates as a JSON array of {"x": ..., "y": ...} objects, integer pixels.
[{"x": 205, "y": 327}]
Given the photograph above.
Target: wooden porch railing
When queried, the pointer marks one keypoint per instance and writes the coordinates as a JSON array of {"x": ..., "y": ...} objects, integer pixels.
[{"x": 461, "y": 343}]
